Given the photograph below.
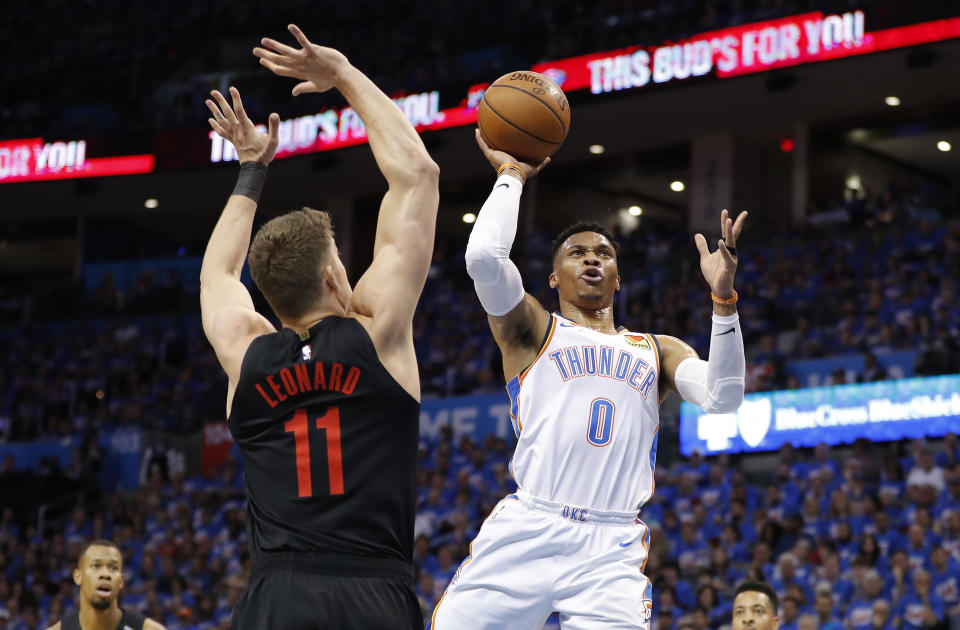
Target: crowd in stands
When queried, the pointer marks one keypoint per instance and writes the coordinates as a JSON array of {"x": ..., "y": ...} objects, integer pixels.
[
  {"x": 865, "y": 538},
  {"x": 168, "y": 55},
  {"x": 880, "y": 283}
]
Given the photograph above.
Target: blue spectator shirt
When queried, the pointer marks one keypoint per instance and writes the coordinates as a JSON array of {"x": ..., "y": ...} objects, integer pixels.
[
  {"x": 910, "y": 611},
  {"x": 946, "y": 585},
  {"x": 860, "y": 614}
]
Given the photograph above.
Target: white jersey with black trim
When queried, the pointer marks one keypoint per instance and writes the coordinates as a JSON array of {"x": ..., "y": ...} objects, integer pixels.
[{"x": 586, "y": 414}]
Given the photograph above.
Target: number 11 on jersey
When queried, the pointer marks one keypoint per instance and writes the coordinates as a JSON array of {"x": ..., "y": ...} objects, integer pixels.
[{"x": 300, "y": 428}]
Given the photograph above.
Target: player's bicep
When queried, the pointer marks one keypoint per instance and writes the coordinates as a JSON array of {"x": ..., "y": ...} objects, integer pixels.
[
  {"x": 673, "y": 353},
  {"x": 389, "y": 290}
]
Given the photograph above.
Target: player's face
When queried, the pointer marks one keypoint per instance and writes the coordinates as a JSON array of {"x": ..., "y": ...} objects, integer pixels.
[
  {"x": 753, "y": 610},
  {"x": 585, "y": 271},
  {"x": 100, "y": 576}
]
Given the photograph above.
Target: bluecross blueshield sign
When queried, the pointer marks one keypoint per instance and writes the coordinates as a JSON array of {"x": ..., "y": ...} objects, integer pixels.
[{"x": 887, "y": 410}]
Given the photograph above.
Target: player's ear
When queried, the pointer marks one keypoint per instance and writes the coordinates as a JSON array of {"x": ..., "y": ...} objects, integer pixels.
[
  {"x": 120, "y": 586},
  {"x": 77, "y": 577},
  {"x": 329, "y": 278},
  {"x": 618, "y": 282},
  {"x": 552, "y": 279}
]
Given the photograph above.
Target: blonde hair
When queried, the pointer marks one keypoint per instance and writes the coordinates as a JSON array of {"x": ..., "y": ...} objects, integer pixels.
[{"x": 287, "y": 257}]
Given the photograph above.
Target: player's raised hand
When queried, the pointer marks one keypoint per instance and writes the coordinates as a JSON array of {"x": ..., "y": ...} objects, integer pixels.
[
  {"x": 499, "y": 158},
  {"x": 317, "y": 67},
  {"x": 233, "y": 125},
  {"x": 719, "y": 267}
]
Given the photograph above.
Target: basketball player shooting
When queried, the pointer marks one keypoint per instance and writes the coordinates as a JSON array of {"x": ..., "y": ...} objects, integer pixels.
[
  {"x": 99, "y": 574},
  {"x": 326, "y": 410},
  {"x": 585, "y": 407}
]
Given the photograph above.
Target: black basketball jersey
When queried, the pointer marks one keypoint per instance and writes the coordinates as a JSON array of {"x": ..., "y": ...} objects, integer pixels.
[
  {"x": 329, "y": 443},
  {"x": 129, "y": 621}
]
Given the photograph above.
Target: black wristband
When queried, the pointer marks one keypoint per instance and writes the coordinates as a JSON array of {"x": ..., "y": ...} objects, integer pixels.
[{"x": 250, "y": 181}]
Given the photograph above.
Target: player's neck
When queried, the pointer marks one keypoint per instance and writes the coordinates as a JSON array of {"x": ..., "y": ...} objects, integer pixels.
[
  {"x": 93, "y": 619},
  {"x": 304, "y": 323},
  {"x": 600, "y": 320}
]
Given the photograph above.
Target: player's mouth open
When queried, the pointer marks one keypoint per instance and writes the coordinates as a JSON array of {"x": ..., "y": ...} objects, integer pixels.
[
  {"x": 592, "y": 276},
  {"x": 104, "y": 589}
]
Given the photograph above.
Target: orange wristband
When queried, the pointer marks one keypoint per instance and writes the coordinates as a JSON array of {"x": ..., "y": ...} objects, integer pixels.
[
  {"x": 720, "y": 300},
  {"x": 516, "y": 167}
]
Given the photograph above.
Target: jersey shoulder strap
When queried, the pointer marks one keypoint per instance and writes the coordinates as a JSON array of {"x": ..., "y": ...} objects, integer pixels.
[{"x": 131, "y": 620}]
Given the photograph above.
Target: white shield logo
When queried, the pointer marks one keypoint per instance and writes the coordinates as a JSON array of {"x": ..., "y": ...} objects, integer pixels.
[{"x": 753, "y": 420}]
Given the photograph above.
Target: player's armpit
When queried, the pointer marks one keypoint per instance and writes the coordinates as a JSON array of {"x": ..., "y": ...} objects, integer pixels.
[
  {"x": 520, "y": 334},
  {"x": 673, "y": 353},
  {"x": 230, "y": 331},
  {"x": 150, "y": 624}
]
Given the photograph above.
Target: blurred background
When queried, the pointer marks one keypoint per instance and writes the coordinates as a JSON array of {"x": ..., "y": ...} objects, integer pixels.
[{"x": 835, "y": 123}]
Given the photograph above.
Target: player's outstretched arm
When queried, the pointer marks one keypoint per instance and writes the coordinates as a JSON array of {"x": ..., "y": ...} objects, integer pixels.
[
  {"x": 517, "y": 319},
  {"x": 716, "y": 385},
  {"x": 229, "y": 318},
  {"x": 387, "y": 294}
]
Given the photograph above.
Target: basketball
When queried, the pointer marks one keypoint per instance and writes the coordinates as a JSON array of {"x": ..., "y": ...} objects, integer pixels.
[{"x": 524, "y": 114}]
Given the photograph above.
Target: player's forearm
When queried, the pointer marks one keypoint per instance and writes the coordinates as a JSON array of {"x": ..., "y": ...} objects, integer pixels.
[
  {"x": 228, "y": 245},
  {"x": 396, "y": 145},
  {"x": 495, "y": 277},
  {"x": 717, "y": 385}
]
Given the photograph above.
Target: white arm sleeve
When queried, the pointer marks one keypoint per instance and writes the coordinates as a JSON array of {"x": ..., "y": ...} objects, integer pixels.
[
  {"x": 717, "y": 384},
  {"x": 495, "y": 277}
]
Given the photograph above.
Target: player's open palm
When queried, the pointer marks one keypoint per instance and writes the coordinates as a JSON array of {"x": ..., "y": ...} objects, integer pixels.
[
  {"x": 317, "y": 67},
  {"x": 719, "y": 267},
  {"x": 233, "y": 124}
]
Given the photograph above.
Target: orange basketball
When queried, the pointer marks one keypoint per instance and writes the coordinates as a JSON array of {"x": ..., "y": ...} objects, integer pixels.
[{"x": 524, "y": 114}]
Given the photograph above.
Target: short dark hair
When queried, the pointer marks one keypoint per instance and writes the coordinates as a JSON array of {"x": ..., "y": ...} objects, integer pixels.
[
  {"x": 101, "y": 542},
  {"x": 583, "y": 226},
  {"x": 759, "y": 587}
]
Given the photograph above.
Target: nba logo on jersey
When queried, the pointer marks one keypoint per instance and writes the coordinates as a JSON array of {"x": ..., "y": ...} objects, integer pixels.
[{"x": 307, "y": 353}]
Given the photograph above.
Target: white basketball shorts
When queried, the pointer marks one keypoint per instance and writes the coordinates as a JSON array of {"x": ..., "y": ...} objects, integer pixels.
[{"x": 533, "y": 557}]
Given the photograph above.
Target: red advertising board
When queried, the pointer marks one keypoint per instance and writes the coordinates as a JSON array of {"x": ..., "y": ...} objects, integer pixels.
[{"x": 32, "y": 159}]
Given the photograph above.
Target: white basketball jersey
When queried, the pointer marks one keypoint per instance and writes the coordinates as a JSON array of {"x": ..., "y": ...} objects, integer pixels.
[{"x": 586, "y": 414}]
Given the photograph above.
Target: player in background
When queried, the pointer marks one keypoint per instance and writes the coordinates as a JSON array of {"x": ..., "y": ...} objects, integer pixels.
[
  {"x": 325, "y": 411},
  {"x": 99, "y": 574},
  {"x": 755, "y": 607},
  {"x": 585, "y": 406}
]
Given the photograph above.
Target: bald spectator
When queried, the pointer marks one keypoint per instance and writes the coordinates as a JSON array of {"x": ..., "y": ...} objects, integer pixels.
[
  {"x": 920, "y": 607},
  {"x": 860, "y": 613},
  {"x": 825, "y": 609},
  {"x": 881, "y": 615},
  {"x": 927, "y": 473}
]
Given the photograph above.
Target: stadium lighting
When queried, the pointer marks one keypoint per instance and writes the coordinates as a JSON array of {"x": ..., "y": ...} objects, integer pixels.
[
  {"x": 944, "y": 146},
  {"x": 597, "y": 149},
  {"x": 151, "y": 203},
  {"x": 635, "y": 211},
  {"x": 677, "y": 186},
  {"x": 854, "y": 182},
  {"x": 469, "y": 217},
  {"x": 892, "y": 101}
]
